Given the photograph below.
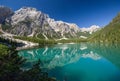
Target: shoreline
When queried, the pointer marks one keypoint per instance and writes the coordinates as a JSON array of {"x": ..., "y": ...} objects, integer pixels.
[{"x": 25, "y": 44}]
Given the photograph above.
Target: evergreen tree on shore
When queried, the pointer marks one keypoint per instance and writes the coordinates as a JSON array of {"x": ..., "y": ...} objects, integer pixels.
[{"x": 10, "y": 69}]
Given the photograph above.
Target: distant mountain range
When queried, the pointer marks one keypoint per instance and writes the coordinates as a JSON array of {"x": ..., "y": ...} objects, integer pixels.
[{"x": 30, "y": 22}]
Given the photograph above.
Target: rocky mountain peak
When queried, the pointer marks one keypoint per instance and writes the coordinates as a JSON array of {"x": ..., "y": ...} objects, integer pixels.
[
  {"x": 90, "y": 29},
  {"x": 94, "y": 27},
  {"x": 26, "y": 14},
  {"x": 28, "y": 21},
  {"x": 4, "y": 13}
]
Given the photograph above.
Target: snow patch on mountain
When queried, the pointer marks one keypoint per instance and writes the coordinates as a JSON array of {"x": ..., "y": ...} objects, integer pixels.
[{"x": 84, "y": 37}]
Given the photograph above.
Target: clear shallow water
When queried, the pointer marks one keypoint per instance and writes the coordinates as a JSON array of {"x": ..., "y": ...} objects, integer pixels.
[{"x": 77, "y": 62}]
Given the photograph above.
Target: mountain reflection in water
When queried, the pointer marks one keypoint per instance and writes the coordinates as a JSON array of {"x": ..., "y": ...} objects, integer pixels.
[{"x": 77, "y": 62}]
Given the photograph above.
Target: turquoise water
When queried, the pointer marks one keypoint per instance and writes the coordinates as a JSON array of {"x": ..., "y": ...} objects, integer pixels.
[{"x": 77, "y": 62}]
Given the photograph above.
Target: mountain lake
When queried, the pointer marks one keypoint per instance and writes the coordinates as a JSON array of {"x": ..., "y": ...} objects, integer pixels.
[{"x": 77, "y": 62}]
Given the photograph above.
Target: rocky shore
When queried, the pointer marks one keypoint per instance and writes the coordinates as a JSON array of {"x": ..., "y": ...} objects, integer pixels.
[{"x": 25, "y": 44}]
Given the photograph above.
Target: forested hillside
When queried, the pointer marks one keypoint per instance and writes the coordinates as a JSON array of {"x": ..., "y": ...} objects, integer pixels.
[{"x": 110, "y": 33}]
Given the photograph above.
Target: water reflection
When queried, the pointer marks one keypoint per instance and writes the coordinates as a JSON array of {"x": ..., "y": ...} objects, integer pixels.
[
  {"x": 92, "y": 55},
  {"x": 60, "y": 55},
  {"x": 78, "y": 62}
]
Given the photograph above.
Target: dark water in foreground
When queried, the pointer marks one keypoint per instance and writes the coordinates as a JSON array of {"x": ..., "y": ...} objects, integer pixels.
[{"x": 77, "y": 62}]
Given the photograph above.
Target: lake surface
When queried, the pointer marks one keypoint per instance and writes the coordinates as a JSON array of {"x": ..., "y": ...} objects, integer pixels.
[{"x": 77, "y": 62}]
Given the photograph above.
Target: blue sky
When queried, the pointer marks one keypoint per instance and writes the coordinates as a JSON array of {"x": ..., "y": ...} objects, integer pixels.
[{"x": 82, "y": 12}]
